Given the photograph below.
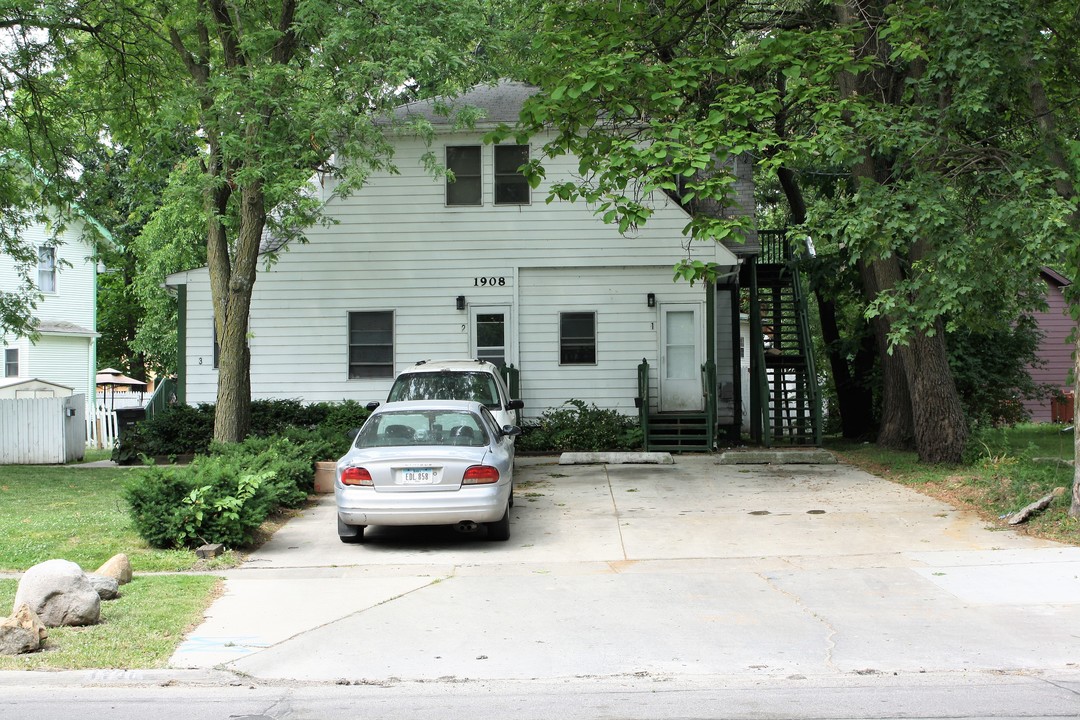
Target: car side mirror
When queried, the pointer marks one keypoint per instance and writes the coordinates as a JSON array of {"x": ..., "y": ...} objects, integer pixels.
[
  {"x": 515, "y": 405},
  {"x": 511, "y": 430},
  {"x": 370, "y": 407}
]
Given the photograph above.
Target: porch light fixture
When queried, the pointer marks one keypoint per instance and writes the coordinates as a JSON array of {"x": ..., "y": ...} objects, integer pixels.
[
  {"x": 460, "y": 302},
  {"x": 650, "y": 300}
]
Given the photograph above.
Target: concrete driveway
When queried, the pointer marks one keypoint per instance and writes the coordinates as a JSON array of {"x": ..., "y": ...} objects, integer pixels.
[{"x": 692, "y": 570}]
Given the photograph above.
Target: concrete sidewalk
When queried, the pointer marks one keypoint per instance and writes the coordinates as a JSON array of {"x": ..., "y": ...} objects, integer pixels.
[{"x": 685, "y": 570}]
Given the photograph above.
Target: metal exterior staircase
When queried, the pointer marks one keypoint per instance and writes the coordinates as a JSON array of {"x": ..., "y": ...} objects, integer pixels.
[{"x": 784, "y": 372}]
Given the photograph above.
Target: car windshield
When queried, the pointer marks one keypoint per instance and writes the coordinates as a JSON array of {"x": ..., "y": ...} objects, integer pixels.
[
  {"x": 476, "y": 386},
  {"x": 399, "y": 429}
]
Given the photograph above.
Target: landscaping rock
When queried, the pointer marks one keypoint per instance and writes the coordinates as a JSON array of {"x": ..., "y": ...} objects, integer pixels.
[
  {"x": 21, "y": 633},
  {"x": 107, "y": 588},
  {"x": 118, "y": 567},
  {"x": 60, "y": 593}
]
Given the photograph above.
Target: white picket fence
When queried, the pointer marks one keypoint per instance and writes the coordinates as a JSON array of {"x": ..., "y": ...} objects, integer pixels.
[{"x": 101, "y": 430}]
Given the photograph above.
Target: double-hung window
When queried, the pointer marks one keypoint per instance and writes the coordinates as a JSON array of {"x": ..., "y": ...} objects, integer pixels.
[
  {"x": 511, "y": 187},
  {"x": 371, "y": 345},
  {"x": 466, "y": 187},
  {"x": 577, "y": 338},
  {"x": 46, "y": 269},
  {"x": 11, "y": 362}
]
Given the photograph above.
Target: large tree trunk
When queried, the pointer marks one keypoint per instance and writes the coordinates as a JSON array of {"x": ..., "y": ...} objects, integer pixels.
[
  {"x": 897, "y": 430},
  {"x": 232, "y": 418},
  {"x": 940, "y": 428}
]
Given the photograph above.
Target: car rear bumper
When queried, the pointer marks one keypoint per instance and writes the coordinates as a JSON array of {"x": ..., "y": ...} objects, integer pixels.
[{"x": 365, "y": 506}]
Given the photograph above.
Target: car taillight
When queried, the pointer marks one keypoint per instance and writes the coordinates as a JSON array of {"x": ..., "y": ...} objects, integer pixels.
[
  {"x": 356, "y": 476},
  {"x": 480, "y": 475}
]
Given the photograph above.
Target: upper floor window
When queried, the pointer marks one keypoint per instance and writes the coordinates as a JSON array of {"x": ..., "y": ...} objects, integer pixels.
[
  {"x": 577, "y": 338},
  {"x": 46, "y": 269},
  {"x": 511, "y": 187},
  {"x": 466, "y": 186},
  {"x": 11, "y": 362},
  {"x": 371, "y": 344}
]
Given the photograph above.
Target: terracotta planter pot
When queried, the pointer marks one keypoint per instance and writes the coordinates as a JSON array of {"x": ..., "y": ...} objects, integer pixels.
[{"x": 324, "y": 476}]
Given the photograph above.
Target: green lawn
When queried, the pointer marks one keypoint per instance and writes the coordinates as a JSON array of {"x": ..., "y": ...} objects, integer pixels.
[
  {"x": 140, "y": 629},
  {"x": 1014, "y": 467},
  {"x": 77, "y": 514}
]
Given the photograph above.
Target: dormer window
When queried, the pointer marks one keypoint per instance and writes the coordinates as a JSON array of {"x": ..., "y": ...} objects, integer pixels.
[{"x": 511, "y": 187}]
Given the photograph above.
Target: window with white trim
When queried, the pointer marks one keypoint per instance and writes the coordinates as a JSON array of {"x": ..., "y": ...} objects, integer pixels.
[
  {"x": 466, "y": 186},
  {"x": 46, "y": 269},
  {"x": 11, "y": 362},
  {"x": 511, "y": 187},
  {"x": 371, "y": 345},
  {"x": 577, "y": 338}
]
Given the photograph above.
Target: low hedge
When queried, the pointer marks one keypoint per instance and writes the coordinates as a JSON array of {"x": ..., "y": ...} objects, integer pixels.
[
  {"x": 189, "y": 429},
  {"x": 579, "y": 427}
]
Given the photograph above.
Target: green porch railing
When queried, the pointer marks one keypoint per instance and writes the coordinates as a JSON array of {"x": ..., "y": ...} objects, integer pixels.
[
  {"x": 164, "y": 396},
  {"x": 642, "y": 401},
  {"x": 708, "y": 379},
  {"x": 512, "y": 376}
]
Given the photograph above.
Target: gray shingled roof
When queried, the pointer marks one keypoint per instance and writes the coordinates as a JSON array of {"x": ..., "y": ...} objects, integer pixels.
[{"x": 499, "y": 102}]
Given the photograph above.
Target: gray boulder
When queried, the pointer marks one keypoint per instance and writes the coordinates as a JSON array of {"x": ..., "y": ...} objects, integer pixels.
[
  {"x": 107, "y": 588},
  {"x": 60, "y": 593},
  {"x": 22, "y": 632},
  {"x": 118, "y": 567}
]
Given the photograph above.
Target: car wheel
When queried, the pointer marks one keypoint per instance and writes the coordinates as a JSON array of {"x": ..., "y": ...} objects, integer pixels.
[
  {"x": 350, "y": 534},
  {"x": 500, "y": 529}
]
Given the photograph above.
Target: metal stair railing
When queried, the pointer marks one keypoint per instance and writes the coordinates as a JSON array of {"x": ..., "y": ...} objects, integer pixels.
[
  {"x": 813, "y": 394},
  {"x": 708, "y": 384},
  {"x": 164, "y": 395},
  {"x": 642, "y": 401}
]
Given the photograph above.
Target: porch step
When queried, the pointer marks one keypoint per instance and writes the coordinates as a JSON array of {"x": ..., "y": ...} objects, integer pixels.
[{"x": 679, "y": 432}]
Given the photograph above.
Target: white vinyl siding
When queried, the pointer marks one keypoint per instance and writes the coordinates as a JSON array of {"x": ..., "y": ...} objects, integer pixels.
[{"x": 397, "y": 246}]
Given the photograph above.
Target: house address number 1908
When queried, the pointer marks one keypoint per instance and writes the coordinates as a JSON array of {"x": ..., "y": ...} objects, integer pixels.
[{"x": 489, "y": 282}]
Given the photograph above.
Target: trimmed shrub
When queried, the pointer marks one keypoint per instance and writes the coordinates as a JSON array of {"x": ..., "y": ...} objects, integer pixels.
[
  {"x": 223, "y": 497},
  {"x": 578, "y": 427}
]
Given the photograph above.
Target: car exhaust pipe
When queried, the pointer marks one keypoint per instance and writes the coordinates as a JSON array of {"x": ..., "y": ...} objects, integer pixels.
[{"x": 466, "y": 526}]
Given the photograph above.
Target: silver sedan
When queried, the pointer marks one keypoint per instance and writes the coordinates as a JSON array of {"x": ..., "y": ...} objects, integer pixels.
[{"x": 427, "y": 462}]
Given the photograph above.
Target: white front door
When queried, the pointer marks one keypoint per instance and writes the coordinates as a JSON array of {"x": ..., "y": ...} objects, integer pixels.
[
  {"x": 490, "y": 334},
  {"x": 681, "y": 357}
]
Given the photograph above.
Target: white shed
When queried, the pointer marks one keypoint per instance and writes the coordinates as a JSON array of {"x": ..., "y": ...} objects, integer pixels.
[{"x": 30, "y": 388}]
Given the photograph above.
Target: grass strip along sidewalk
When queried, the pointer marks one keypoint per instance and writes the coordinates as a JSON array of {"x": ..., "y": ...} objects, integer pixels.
[
  {"x": 1012, "y": 467},
  {"x": 78, "y": 514}
]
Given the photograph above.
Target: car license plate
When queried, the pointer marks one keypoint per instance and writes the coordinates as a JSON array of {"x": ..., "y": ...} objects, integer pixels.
[{"x": 418, "y": 476}]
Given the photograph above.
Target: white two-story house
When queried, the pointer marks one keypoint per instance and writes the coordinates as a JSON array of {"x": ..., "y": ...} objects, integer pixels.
[
  {"x": 419, "y": 267},
  {"x": 64, "y": 352}
]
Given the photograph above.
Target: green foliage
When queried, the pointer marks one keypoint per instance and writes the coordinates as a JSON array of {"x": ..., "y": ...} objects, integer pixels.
[
  {"x": 990, "y": 369},
  {"x": 582, "y": 428},
  {"x": 223, "y": 497},
  {"x": 187, "y": 429}
]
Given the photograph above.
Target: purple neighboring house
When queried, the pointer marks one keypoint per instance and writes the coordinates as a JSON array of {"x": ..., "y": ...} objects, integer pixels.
[{"x": 1055, "y": 348}]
